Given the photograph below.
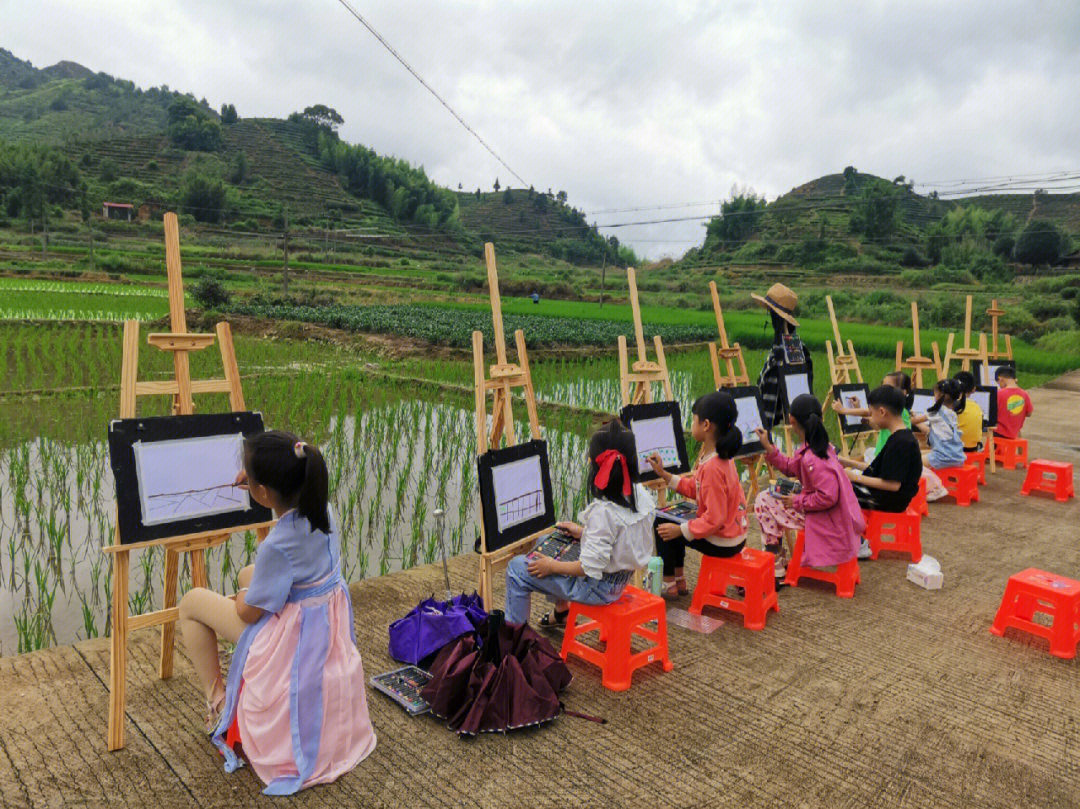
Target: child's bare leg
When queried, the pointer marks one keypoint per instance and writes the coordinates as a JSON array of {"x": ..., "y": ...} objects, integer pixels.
[{"x": 204, "y": 617}]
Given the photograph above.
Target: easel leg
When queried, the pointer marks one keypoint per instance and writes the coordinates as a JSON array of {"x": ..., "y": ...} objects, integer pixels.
[
  {"x": 485, "y": 584},
  {"x": 118, "y": 651},
  {"x": 198, "y": 568},
  {"x": 991, "y": 451},
  {"x": 168, "y": 629}
]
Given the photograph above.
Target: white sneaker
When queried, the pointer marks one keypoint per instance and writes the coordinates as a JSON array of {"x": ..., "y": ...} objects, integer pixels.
[{"x": 864, "y": 550}]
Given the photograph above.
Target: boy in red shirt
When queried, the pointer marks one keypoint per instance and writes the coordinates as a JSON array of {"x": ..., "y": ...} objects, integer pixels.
[{"x": 1014, "y": 405}]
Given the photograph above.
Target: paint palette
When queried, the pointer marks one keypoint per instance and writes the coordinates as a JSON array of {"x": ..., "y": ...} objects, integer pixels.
[
  {"x": 558, "y": 545},
  {"x": 403, "y": 686}
]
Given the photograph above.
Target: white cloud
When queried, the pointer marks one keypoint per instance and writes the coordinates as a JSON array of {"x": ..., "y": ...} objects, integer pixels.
[{"x": 620, "y": 103}]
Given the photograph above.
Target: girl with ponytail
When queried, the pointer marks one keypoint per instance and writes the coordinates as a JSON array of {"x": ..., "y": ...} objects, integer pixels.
[
  {"x": 720, "y": 526},
  {"x": 942, "y": 434},
  {"x": 615, "y": 533},
  {"x": 292, "y": 623},
  {"x": 826, "y": 509}
]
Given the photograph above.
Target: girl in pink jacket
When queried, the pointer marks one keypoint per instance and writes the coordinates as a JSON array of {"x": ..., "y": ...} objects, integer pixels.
[{"x": 826, "y": 509}]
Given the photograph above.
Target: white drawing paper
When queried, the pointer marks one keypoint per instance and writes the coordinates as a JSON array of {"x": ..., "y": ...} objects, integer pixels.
[
  {"x": 655, "y": 436},
  {"x": 982, "y": 399},
  {"x": 519, "y": 491},
  {"x": 188, "y": 478},
  {"x": 990, "y": 372},
  {"x": 796, "y": 385},
  {"x": 854, "y": 399},
  {"x": 922, "y": 403},
  {"x": 748, "y": 418}
]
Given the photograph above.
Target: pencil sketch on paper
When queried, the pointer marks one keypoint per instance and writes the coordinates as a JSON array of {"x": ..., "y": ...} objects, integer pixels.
[
  {"x": 519, "y": 491},
  {"x": 655, "y": 436},
  {"x": 187, "y": 478}
]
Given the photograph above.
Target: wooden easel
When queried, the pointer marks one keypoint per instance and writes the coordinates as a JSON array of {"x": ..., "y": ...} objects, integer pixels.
[
  {"x": 917, "y": 363},
  {"x": 180, "y": 387},
  {"x": 729, "y": 354},
  {"x": 500, "y": 380},
  {"x": 967, "y": 353},
  {"x": 843, "y": 370},
  {"x": 995, "y": 312},
  {"x": 643, "y": 372}
]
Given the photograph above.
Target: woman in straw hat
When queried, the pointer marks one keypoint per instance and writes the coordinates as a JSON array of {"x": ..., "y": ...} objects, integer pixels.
[{"x": 787, "y": 350}]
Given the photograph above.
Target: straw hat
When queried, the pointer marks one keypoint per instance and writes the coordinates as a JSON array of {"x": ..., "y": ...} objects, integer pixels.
[{"x": 781, "y": 300}]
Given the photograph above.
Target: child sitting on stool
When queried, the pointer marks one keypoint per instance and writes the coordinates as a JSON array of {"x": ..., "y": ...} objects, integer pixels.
[
  {"x": 942, "y": 435},
  {"x": 825, "y": 510},
  {"x": 970, "y": 421},
  {"x": 615, "y": 534},
  {"x": 720, "y": 526}
]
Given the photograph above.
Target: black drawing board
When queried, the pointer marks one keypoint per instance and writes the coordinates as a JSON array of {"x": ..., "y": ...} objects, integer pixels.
[
  {"x": 174, "y": 474},
  {"x": 985, "y": 375},
  {"x": 795, "y": 381},
  {"x": 658, "y": 428},
  {"x": 515, "y": 493},
  {"x": 855, "y": 394},
  {"x": 987, "y": 398},
  {"x": 924, "y": 400},
  {"x": 751, "y": 417}
]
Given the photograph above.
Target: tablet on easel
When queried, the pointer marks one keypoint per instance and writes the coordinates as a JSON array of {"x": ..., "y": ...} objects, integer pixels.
[
  {"x": 657, "y": 428},
  {"x": 922, "y": 401},
  {"x": 856, "y": 396},
  {"x": 986, "y": 372},
  {"x": 986, "y": 397},
  {"x": 796, "y": 382},
  {"x": 515, "y": 493},
  {"x": 749, "y": 418}
]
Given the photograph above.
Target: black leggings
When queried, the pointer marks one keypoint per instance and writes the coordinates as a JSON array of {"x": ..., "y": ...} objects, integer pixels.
[
  {"x": 673, "y": 551},
  {"x": 869, "y": 499}
]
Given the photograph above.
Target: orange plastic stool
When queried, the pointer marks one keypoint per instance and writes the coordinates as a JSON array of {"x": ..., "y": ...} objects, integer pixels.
[
  {"x": 904, "y": 532},
  {"x": 753, "y": 571},
  {"x": 232, "y": 735},
  {"x": 1010, "y": 452},
  {"x": 617, "y": 622},
  {"x": 962, "y": 482},
  {"x": 845, "y": 578},
  {"x": 1049, "y": 476},
  {"x": 978, "y": 460},
  {"x": 1031, "y": 591},
  {"x": 918, "y": 503}
]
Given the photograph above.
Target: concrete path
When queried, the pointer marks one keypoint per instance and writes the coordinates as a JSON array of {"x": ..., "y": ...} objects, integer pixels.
[{"x": 898, "y": 697}]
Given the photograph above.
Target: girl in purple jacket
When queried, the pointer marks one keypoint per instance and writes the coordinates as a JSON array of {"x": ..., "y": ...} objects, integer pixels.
[{"x": 826, "y": 509}]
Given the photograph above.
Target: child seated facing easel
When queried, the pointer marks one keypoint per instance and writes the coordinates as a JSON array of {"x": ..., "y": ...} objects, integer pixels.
[
  {"x": 719, "y": 529},
  {"x": 942, "y": 434},
  {"x": 615, "y": 534},
  {"x": 1014, "y": 404},
  {"x": 890, "y": 481},
  {"x": 970, "y": 420},
  {"x": 296, "y": 682},
  {"x": 899, "y": 380},
  {"x": 825, "y": 510}
]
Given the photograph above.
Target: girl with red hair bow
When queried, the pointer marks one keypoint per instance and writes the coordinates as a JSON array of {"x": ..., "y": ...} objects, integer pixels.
[{"x": 616, "y": 533}]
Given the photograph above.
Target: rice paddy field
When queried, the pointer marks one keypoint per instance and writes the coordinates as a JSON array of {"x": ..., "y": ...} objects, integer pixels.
[{"x": 398, "y": 434}]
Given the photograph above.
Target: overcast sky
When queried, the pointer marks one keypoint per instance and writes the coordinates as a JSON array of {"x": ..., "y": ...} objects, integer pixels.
[{"x": 622, "y": 104}]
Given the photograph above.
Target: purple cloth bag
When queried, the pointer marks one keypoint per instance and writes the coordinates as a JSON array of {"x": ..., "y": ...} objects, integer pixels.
[{"x": 432, "y": 624}]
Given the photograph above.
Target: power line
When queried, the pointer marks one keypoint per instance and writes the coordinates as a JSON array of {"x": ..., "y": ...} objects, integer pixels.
[{"x": 429, "y": 88}]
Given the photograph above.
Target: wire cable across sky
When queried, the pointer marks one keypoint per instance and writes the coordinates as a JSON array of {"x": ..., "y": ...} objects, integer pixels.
[{"x": 431, "y": 90}]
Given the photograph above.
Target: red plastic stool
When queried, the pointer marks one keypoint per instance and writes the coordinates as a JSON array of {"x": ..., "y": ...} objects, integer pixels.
[
  {"x": 962, "y": 482},
  {"x": 753, "y": 571},
  {"x": 903, "y": 530},
  {"x": 232, "y": 735},
  {"x": 1049, "y": 476},
  {"x": 617, "y": 622},
  {"x": 845, "y": 578},
  {"x": 1010, "y": 452},
  {"x": 978, "y": 460},
  {"x": 1031, "y": 591},
  {"x": 918, "y": 503}
]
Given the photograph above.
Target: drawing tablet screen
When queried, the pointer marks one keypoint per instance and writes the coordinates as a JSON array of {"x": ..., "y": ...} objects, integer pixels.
[
  {"x": 175, "y": 474},
  {"x": 515, "y": 493},
  {"x": 657, "y": 428},
  {"x": 748, "y": 403}
]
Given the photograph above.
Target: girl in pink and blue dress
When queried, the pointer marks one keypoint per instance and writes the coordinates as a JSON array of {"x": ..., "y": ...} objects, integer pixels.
[{"x": 296, "y": 682}]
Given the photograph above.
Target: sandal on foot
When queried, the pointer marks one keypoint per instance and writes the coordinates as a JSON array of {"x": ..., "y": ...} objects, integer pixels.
[
  {"x": 554, "y": 619},
  {"x": 213, "y": 713},
  {"x": 671, "y": 589}
]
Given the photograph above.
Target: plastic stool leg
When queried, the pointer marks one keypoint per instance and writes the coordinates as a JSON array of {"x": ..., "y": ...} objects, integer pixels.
[{"x": 616, "y": 669}]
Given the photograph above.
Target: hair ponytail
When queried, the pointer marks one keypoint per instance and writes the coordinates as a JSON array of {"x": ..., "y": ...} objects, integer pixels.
[
  {"x": 720, "y": 410},
  {"x": 806, "y": 410},
  {"x": 902, "y": 380},
  {"x": 313, "y": 503},
  {"x": 949, "y": 389},
  {"x": 294, "y": 470}
]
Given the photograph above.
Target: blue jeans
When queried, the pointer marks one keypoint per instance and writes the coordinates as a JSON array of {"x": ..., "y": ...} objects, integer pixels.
[{"x": 520, "y": 586}]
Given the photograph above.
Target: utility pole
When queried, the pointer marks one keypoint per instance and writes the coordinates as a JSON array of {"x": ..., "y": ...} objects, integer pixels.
[
  {"x": 44, "y": 232},
  {"x": 603, "y": 270},
  {"x": 285, "y": 246}
]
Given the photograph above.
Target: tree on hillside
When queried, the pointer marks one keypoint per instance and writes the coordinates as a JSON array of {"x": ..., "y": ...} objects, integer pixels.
[
  {"x": 240, "y": 171},
  {"x": 205, "y": 198},
  {"x": 496, "y": 185},
  {"x": 561, "y": 197},
  {"x": 1039, "y": 243},
  {"x": 323, "y": 116},
  {"x": 850, "y": 183},
  {"x": 228, "y": 114},
  {"x": 477, "y": 194},
  {"x": 191, "y": 127},
  {"x": 507, "y": 199},
  {"x": 739, "y": 218},
  {"x": 876, "y": 212}
]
